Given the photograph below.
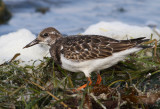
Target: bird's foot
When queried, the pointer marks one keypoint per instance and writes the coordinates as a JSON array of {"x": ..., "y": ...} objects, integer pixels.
[
  {"x": 83, "y": 86},
  {"x": 99, "y": 79}
]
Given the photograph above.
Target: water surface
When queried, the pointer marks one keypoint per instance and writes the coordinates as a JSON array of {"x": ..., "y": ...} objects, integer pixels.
[{"x": 74, "y": 16}]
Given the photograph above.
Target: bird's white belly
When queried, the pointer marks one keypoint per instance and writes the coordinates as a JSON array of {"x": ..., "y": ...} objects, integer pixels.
[{"x": 89, "y": 66}]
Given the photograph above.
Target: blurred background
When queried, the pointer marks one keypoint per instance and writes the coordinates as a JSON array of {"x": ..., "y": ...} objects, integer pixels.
[{"x": 74, "y": 16}]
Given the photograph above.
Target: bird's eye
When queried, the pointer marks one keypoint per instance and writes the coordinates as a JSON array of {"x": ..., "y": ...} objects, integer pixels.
[{"x": 45, "y": 34}]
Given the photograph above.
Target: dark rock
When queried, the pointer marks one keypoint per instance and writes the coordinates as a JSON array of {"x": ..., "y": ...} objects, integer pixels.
[
  {"x": 42, "y": 10},
  {"x": 121, "y": 9},
  {"x": 5, "y": 15}
]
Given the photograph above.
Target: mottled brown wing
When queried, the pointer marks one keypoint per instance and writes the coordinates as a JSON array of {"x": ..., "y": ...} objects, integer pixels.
[{"x": 89, "y": 47}]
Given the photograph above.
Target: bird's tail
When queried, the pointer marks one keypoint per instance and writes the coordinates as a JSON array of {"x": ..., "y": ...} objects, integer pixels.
[{"x": 139, "y": 42}]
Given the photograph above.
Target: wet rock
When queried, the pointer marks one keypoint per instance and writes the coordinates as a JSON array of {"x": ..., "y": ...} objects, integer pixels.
[
  {"x": 5, "y": 15},
  {"x": 42, "y": 10},
  {"x": 121, "y": 9}
]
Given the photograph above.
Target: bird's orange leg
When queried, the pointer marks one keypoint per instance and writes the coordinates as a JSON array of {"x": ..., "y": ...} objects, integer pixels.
[
  {"x": 85, "y": 85},
  {"x": 99, "y": 79}
]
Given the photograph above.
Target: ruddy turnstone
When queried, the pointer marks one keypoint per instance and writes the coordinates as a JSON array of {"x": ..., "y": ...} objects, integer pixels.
[{"x": 86, "y": 53}]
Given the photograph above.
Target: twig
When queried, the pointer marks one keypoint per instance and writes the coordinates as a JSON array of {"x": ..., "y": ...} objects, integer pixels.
[
  {"x": 91, "y": 94},
  {"x": 49, "y": 93},
  {"x": 15, "y": 56},
  {"x": 119, "y": 100},
  {"x": 155, "y": 45}
]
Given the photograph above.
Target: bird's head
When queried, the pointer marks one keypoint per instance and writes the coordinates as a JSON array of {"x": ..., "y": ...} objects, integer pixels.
[{"x": 47, "y": 36}]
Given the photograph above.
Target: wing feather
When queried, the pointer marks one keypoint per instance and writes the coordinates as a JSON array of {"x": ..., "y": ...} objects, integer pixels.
[{"x": 80, "y": 48}]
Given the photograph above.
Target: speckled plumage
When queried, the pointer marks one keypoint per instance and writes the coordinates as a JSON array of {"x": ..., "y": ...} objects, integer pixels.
[
  {"x": 88, "y": 47},
  {"x": 86, "y": 53}
]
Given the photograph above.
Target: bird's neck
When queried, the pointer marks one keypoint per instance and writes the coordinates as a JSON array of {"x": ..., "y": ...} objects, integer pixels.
[{"x": 54, "y": 41}]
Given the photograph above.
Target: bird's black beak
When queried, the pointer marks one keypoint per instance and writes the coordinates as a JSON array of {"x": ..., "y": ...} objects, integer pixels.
[{"x": 34, "y": 42}]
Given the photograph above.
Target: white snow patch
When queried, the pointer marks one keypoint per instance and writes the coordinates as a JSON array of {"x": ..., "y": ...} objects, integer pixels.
[
  {"x": 13, "y": 43},
  {"x": 120, "y": 31}
]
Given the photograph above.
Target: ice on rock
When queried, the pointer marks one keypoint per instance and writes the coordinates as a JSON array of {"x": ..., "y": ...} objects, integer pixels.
[
  {"x": 120, "y": 31},
  {"x": 13, "y": 43}
]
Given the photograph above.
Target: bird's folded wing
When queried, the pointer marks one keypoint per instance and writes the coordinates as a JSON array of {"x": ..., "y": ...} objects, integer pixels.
[{"x": 92, "y": 47}]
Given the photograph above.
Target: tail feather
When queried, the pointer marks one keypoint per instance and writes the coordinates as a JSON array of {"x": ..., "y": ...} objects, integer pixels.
[
  {"x": 138, "y": 42},
  {"x": 141, "y": 40}
]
